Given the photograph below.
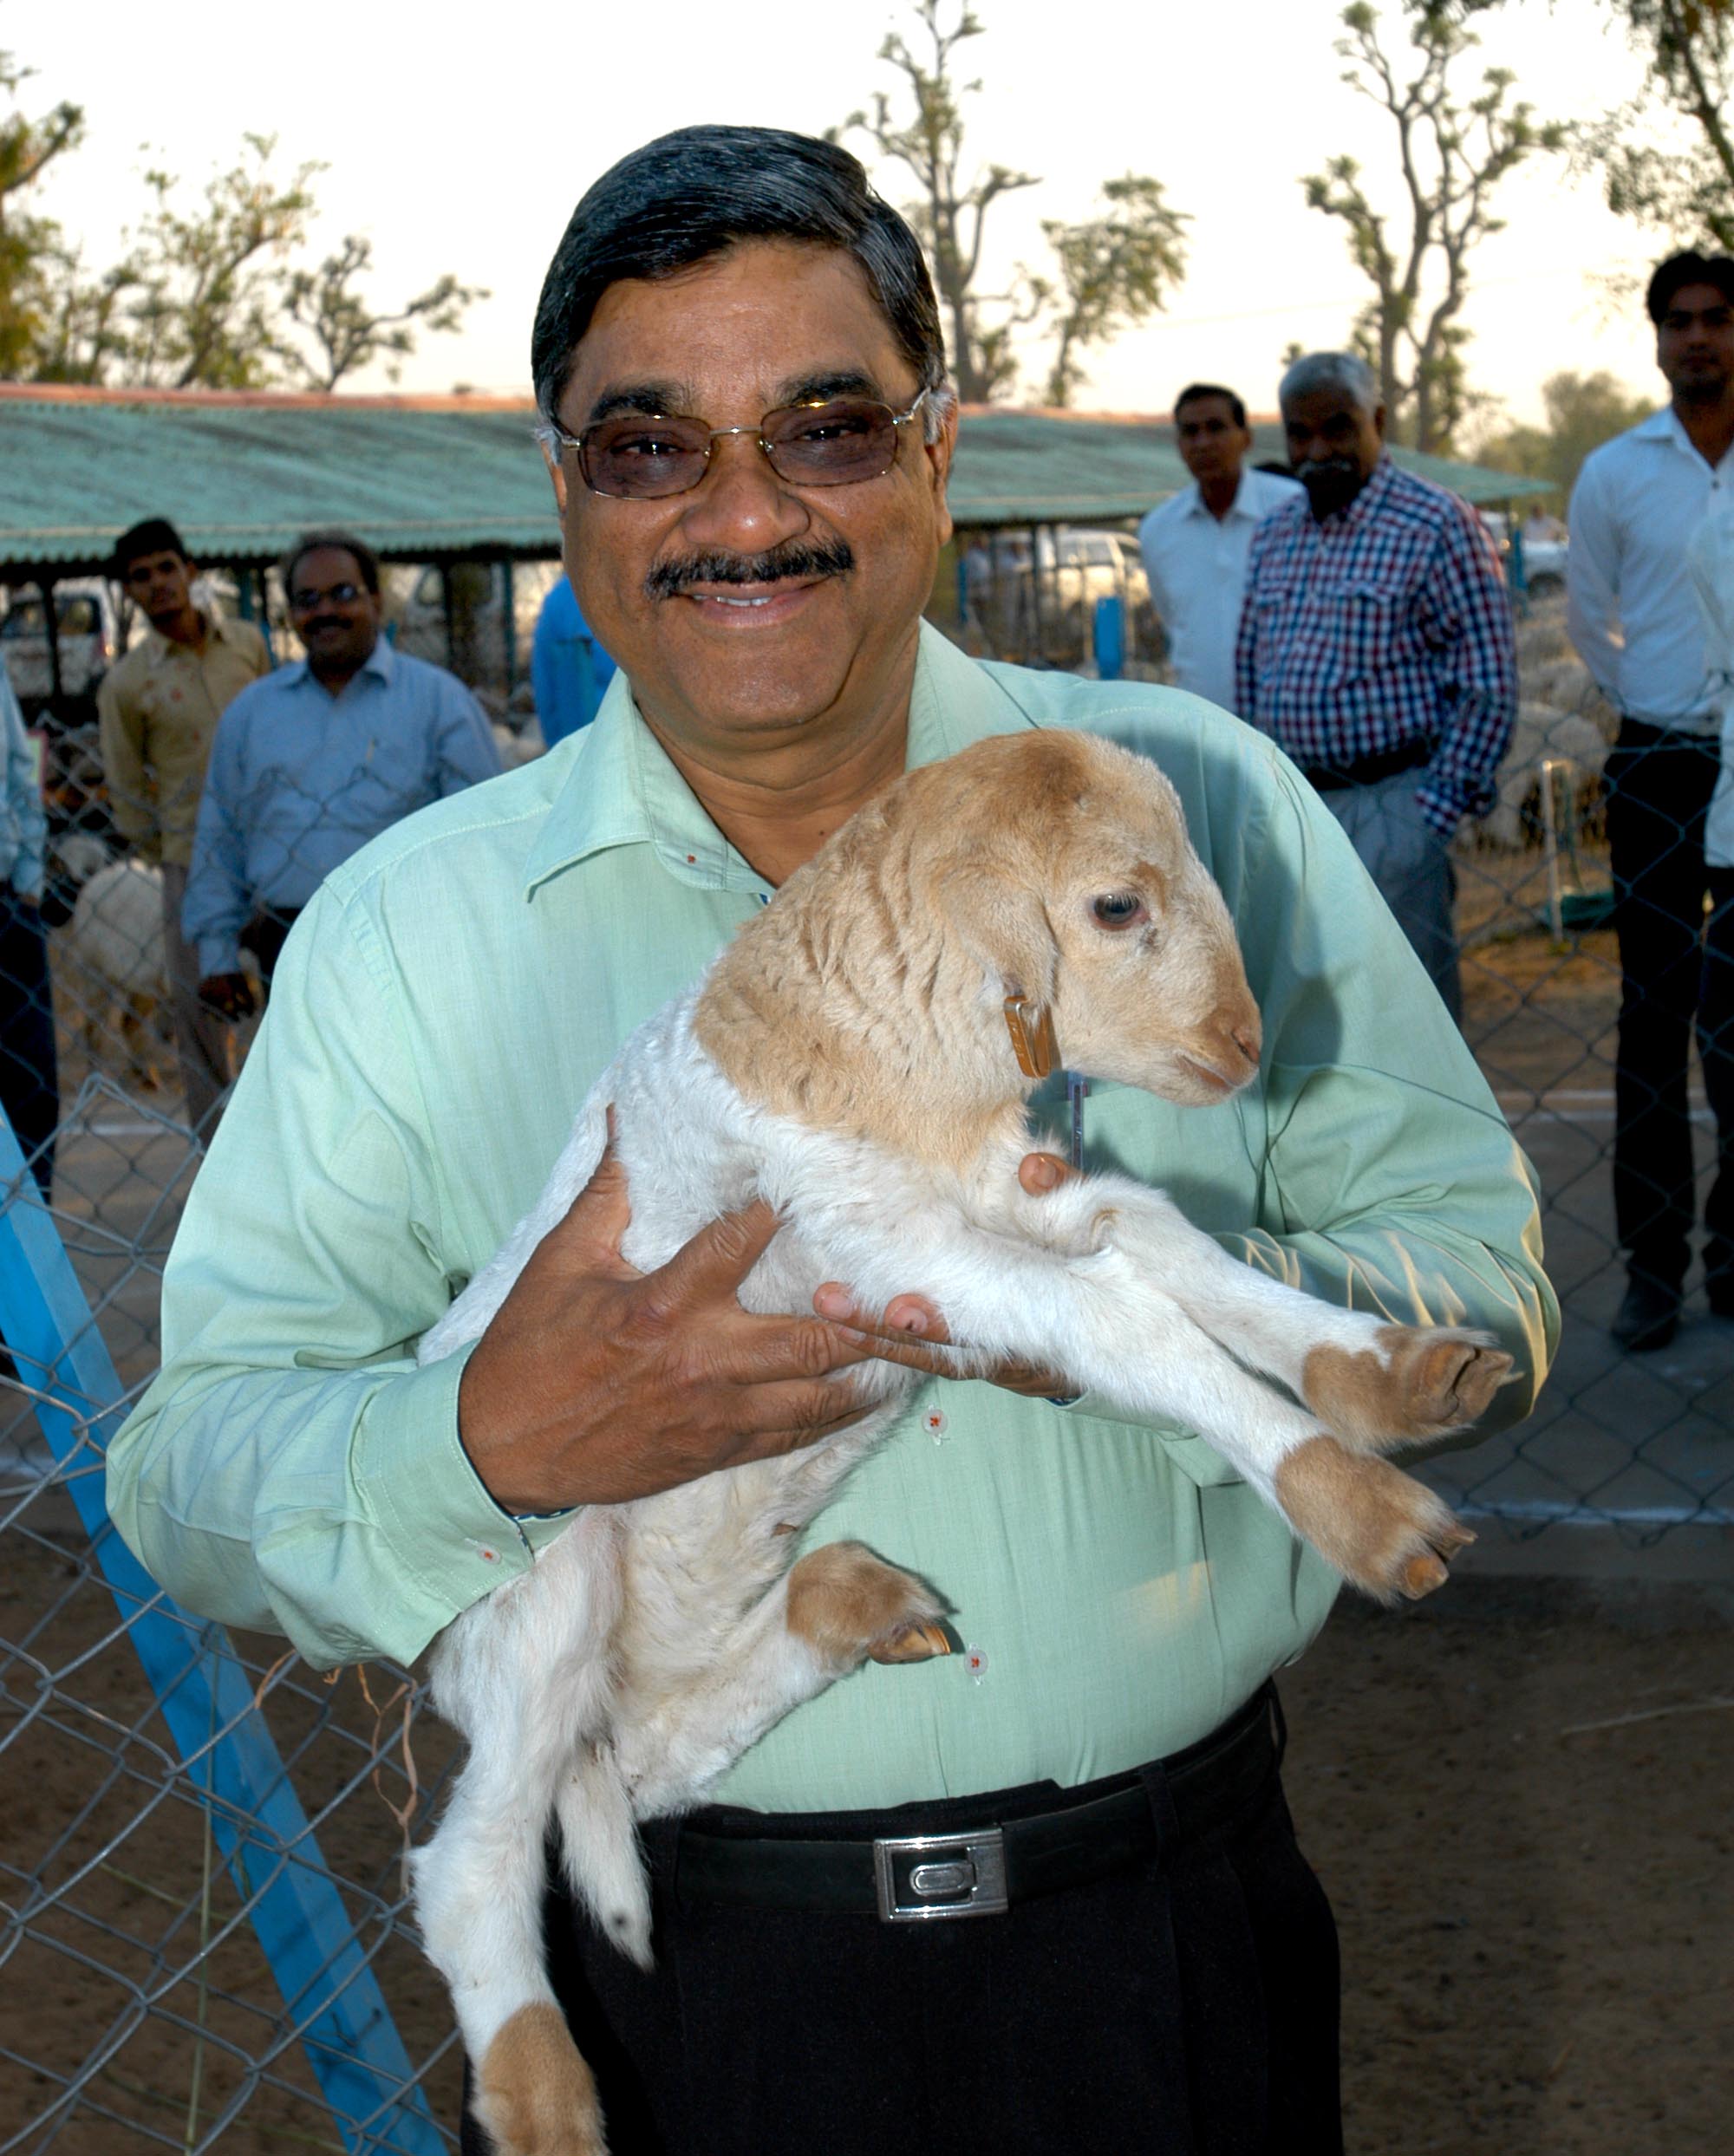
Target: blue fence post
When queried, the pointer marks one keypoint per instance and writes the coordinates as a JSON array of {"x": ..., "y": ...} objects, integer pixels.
[
  {"x": 1110, "y": 637},
  {"x": 316, "y": 1959}
]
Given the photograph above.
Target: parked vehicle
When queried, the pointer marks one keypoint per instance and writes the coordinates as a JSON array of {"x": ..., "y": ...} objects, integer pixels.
[
  {"x": 1039, "y": 595},
  {"x": 90, "y": 636},
  {"x": 1544, "y": 559}
]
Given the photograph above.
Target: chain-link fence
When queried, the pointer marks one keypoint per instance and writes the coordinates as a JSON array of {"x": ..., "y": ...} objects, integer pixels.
[{"x": 205, "y": 1930}]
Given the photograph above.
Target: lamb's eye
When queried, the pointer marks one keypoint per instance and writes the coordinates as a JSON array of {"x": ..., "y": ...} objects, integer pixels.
[{"x": 1119, "y": 910}]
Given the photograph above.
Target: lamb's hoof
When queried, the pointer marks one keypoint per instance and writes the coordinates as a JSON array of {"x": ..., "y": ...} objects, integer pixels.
[
  {"x": 1417, "y": 1382},
  {"x": 916, "y": 1642},
  {"x": 849, "y": 1606},
  {"x": 1386, "y": 1534},
  {"x": 534, "y": 2093}
]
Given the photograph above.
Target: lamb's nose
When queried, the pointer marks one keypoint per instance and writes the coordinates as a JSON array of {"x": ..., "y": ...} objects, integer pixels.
[{"x": 1248, "y": 1038}]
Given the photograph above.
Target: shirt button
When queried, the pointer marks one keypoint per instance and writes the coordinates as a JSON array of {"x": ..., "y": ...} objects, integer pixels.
[{"x": 934, "y": 1424}]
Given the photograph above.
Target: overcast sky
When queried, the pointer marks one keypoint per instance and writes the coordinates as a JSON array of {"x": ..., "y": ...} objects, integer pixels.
[{"x": 458, "y": 138}]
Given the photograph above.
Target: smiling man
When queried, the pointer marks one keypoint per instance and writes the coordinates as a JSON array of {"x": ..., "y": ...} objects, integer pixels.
[
  {"x": 315, "y": 761},
  {"x": 740, "y": 371}
]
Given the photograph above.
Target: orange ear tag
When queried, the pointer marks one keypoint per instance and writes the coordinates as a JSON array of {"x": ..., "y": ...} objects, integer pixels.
[{"x": 1031, "y": 1027}]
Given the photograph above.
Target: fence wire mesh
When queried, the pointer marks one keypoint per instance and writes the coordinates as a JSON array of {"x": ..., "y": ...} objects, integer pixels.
[{"x": 145, "y": 1945}]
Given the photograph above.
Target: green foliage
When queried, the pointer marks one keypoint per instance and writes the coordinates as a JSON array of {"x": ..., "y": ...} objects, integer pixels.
[
  {"x": 1583, "y": 411},
  {"x": 203, "y": 295},
  {"x": 1113, "y": 269},
  {"x": 1454, "y": 146},
  {"x": 345, "y": 333},
  {"x": 1684, "y": 189},
  {"x": 27, "y": 147}
]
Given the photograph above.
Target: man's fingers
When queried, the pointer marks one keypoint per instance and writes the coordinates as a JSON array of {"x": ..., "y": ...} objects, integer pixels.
[
  {"x": 1040, "y": 1172},
  {"x": 600, "y": 1214},
  {"x": 718, "y": 1259}
]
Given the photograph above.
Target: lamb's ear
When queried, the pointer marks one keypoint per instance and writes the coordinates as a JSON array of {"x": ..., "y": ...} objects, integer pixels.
[{"x": 1006, "y": 926}]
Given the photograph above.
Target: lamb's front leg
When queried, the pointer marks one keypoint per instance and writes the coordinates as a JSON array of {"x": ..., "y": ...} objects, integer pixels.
[
  {"x": 1101, "y": 1317},
  {"x": 837, "y": 1607},
  {"x": 1376, "y": 1385}
]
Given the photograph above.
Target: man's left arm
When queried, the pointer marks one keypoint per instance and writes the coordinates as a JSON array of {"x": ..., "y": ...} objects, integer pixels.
[
  {"x": 1464, "y": 610},
  {"x": 464, "y": 750}
]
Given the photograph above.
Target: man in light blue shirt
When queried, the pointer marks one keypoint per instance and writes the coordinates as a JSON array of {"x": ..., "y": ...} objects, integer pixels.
[
  {"x": 569, "y": 669},
  {"x": 313, "y": 760}
]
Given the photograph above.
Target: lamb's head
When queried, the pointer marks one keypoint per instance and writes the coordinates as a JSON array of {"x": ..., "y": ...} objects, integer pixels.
[{"x": 1062, "y": 864}]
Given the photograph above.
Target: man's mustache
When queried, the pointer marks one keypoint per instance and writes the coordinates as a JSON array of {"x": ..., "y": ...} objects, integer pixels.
[
  {"x": 1313, "y": 468},
  {"x": 799, "y": 558}
]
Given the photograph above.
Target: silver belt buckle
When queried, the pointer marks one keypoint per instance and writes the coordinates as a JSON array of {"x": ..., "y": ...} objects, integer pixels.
[{"x": 941, "y": 1875}]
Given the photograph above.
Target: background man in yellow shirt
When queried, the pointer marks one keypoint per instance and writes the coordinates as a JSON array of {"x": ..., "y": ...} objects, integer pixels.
[{"x": 159, "y": 710}]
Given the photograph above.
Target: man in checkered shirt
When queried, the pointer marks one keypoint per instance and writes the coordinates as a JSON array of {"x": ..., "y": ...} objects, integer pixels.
[{"x": 1376, "y": 648}]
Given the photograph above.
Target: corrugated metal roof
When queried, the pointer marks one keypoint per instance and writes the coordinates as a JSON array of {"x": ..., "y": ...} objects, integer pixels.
[{"x": 243, "y": 475}]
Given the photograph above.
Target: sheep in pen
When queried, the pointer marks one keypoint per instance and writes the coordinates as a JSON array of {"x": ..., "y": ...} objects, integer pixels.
[{"x": 863, "y": 1055}]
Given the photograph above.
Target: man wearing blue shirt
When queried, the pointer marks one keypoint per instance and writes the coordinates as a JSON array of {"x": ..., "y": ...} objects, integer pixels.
[
  {"x": 313, "y": 760},
  {"x": 569, "y": 669}
]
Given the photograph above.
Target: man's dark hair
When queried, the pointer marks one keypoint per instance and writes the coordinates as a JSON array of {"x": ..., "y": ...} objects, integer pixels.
[
  {"x": 310, "y": 543},
  {"x": 1690, "y": 268},
  {"x": 692, "y": 194},
  {"x": 1196, "y": 392},
  {"x": 156, "y": 535}
]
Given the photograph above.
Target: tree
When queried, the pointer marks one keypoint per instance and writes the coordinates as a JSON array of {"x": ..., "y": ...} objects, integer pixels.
[
  {"x": 1111, "y": 269},
  {"x": 345, "y": 334},
  {"x": 27, "y": 147},
  {"x": 1681, "y": 181},
  {"x": 204, "y": 296},
  {"x": 1453, "y": 151},
  {"x": 1583, "y": 411}
]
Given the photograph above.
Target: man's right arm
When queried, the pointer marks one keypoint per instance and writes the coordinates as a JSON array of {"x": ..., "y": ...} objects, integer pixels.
[
  {"x": 218, "y": 902},
  {"x": 120, "y": 740},
  {"x": 1593, "y": 578},
  {"x": 293, "y": 1470}
]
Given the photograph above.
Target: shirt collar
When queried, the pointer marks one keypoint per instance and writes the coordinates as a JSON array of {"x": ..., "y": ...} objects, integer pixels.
[
  {"x": 218, "y": 630},
  {"x": 1366, "y": 504},
  {"x": 1242, "y": 506},
  {"x": 621, "y": 788},
  {"x": 381, "y": 662}
]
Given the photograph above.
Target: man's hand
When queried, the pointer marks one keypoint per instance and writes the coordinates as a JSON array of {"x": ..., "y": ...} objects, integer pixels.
[
  {"x": 230, "y": 995},
  {"x": 906, "y": 1319},
  {"x": 596, "y": 1383}
]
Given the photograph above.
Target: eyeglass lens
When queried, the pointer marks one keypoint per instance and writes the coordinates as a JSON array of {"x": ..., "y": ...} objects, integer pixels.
[
  {"x": 809, "y": 445},
  {"x": 303, "y": 599}
]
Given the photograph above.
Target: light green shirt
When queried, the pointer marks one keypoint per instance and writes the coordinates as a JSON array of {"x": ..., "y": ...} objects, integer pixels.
[{"x": 444, "y": 1006}]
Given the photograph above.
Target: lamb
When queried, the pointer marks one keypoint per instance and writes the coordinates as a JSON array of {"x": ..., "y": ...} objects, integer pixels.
[
  {"x": 862, "y": 1055},
  {"x": 114, "y": 953}
]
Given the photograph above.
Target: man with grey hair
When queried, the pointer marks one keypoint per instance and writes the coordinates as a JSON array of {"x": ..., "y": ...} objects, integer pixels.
[{"x": 1375, "y": 647}]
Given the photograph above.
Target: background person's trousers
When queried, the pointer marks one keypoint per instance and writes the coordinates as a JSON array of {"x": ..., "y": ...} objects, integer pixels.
[
  {"x": 1411, "y": 864},
  {"x": 1658, "y": 785},
  {"x": 201, "y": 1039},
  {"x": 1185, "y": 2006}
]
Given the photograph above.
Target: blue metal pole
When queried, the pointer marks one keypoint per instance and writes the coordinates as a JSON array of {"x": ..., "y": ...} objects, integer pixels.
[
  {"x": 1111, "y": 638},
  {"x": 318, "y": 1962}
]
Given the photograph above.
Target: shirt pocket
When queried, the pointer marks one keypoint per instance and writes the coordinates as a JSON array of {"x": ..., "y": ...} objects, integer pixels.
[
  {"x": 387, "y": 778},
  {"x": 1371, "y": 628}
]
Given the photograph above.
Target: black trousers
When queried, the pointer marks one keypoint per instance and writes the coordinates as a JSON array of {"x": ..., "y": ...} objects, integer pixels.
[
  {"x": 1658, "y": 788},
  {"x": 29, "y": 1086},
  {"x": 1716, "y": 1053},
  {"x": 1186, "y": 2006}
]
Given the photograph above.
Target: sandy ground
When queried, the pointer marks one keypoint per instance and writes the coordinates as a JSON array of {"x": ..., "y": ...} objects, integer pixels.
[{"x": 1534, "y": 1913}]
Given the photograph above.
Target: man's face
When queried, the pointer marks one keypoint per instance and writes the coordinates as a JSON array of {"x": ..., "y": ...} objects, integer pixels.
[
  {"x": 332, "y": 611},
  {"x": 1332, "y": 446},
  {"x": 751, "y": 605},
  {"x": 161, "y": 585},
  {"x": 1213, "y": 444},
  {"x": 1695, "y": 342}
]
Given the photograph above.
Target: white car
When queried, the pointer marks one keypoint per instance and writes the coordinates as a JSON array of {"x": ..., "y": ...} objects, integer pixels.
[{"x": 89, "y": 637}]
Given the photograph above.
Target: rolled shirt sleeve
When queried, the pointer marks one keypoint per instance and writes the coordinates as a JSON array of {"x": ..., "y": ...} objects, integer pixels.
[
  {"x": 1593, "y": 580},
  {"x": 464, "y": 748},
  {"x": 1466, "y": 612},
  {"x": 291, "y": 1469},
  {"x": 218, "y": 899}
]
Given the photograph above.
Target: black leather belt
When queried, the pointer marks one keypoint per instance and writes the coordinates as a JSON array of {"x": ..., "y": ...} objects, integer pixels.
[
  {"x": 968, "y": 1870},
  {"x": 1367, "y": 771}
]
